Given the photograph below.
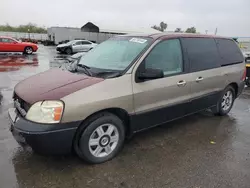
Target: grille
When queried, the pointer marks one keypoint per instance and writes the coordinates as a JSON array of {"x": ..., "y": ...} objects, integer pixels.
[{"x": 24, "y": 105}]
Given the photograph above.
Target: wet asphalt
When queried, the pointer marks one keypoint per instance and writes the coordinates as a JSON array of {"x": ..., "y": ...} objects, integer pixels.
[{"x": 200, "y": 151}]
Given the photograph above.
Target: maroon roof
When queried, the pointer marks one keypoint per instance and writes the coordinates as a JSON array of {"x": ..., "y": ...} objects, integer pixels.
[{"x": 156, "y": 36}]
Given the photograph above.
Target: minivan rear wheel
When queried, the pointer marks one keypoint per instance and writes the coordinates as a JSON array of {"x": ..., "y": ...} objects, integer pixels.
[
  {"x": 102, "y": 139},
  {"x": 225, "y": 102}
]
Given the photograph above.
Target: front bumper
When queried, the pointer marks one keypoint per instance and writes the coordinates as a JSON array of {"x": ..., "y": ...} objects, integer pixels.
[
  {"x": 50, "y": 139},
  {"x": 58, "y": 49}
]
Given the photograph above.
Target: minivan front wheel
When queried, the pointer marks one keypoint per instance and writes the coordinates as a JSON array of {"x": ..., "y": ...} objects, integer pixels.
[
  {"x": 102, "y": 139},
  {"x": 226, "y": 101}
]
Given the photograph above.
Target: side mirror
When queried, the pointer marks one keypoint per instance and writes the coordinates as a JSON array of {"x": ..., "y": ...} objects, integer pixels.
[{"x": 149, "y": 74}]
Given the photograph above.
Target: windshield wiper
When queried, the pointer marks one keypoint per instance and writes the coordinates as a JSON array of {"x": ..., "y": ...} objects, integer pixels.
[
  {"x": 109, "y": 74},
  {"x": 86, "y": 68}
]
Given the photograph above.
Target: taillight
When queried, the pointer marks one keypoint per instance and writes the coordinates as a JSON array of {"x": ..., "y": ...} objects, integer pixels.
[{"x": 244, "y": 75}]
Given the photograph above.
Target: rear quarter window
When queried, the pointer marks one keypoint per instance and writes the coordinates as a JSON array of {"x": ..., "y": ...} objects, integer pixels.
[
  {"x": 229, "y": 52},
  {"x": 202, "y": 53}
]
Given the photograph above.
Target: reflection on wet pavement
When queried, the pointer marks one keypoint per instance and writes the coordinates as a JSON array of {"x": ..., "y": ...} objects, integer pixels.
[
  {"x": 200, "y": 151},
  {"x": 15, "y": 62}
]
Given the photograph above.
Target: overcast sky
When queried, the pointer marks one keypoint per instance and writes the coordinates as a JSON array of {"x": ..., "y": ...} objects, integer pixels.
[{"x": 232, "y": 17}]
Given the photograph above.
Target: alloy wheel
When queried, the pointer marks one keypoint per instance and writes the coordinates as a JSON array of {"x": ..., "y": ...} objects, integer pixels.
[
  {"x": 28, "y": 50},
  {"x": 227, "y": 100},
  {"x": 103, "y": 140}
]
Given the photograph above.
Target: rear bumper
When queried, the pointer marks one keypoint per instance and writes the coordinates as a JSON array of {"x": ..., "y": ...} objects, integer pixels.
[
  {"x": 46, "y": 139},
  {"x": 241, "y": 88}
]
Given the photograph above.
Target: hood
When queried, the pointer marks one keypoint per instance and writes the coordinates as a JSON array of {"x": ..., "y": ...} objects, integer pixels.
[
  {"x": 62, "y": 45},
  {"x": 29, "y": 43},
  {"x": 52, "y": 85}
]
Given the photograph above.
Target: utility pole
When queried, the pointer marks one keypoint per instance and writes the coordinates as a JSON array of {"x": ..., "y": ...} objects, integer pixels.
[
  {"x": 216, "y": 30},
  {"x": 29, "y": 34}
]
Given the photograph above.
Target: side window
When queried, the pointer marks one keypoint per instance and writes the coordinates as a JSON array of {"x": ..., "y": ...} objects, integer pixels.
[
  {"x": 202, "y": 53},
  {"x": 229, "y": 51},
  {"x": 7, "y": 40},
  {"x": 167, "y": 56},
  {"x": 78, "y": 43},
  {"x": 85, "y": 42}
]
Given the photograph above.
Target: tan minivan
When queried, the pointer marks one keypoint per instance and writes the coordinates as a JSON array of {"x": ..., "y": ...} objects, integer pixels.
[{"x": 126, "y": 84}]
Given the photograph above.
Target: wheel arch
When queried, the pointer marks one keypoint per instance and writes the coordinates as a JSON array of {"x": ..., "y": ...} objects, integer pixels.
[
  {"x": 28, "y": 47},
  {"x": 236, "y": 87},
  {"x": 120, "y": 113}
]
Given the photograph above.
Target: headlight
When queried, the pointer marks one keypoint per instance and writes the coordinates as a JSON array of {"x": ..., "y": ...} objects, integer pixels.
[{"x": 46, "y": 112}]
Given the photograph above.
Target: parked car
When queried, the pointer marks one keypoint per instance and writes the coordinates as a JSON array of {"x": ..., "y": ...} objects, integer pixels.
[
  {"x": 75, "y": 46},
  {"x": 8, "y": 44},
  {"x": 247, "y": 56},
  {"x": 125, "y": 85}
]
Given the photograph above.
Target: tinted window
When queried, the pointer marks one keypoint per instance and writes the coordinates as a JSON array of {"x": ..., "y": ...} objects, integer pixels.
[
  {"x": 85, "y": 42},
  {"x": 202, "y": 53},
  {"x": 229, "y": 51},
  {"x": 5, "y": 40},
  {"x": 167, "y": 56}
]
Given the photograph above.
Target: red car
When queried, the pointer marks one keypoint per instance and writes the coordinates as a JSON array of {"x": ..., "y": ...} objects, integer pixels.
[{"x": 8, "y": 44}]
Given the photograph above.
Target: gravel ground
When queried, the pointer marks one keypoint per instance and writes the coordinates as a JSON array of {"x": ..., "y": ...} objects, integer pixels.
[{"x": 198, "y": 151}]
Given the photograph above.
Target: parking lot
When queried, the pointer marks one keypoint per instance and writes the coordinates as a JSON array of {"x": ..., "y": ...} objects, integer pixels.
[{"x": 198, "y": 151}]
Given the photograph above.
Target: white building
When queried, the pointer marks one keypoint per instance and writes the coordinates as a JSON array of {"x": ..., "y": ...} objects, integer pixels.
[{"x": 91, "y": 32}]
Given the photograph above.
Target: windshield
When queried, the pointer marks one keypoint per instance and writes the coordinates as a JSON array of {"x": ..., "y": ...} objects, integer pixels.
[{"x": 116, "y": 53}]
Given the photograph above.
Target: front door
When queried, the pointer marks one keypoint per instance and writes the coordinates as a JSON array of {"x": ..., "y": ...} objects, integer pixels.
[
  {"x": 160, "y": 100},
  {"x": 77, "y": 47},
  {"x": 207, "y": 76},
  {"x": 85, "y": 46}
]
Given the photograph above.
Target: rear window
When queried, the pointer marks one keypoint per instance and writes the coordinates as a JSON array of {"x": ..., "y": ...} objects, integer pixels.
[
  {"x": 202, "y": 53},
  {"x": 229, "y": 52}
]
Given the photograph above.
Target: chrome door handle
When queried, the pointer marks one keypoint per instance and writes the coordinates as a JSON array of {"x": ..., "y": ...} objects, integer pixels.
[
  {"x": 199, "y": 79},
  {"x": 181, "y": 83}
]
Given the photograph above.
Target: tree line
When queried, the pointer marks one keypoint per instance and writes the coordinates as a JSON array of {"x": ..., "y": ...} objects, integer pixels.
[
  {"x": 163, "y": 26},
  {"x": 28, "y": 28}
]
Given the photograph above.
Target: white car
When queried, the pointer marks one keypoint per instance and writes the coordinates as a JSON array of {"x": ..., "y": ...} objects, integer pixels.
[{"x": 75, "y": 46}]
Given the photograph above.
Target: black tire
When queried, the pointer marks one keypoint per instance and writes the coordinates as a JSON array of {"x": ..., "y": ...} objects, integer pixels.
[
  {"x": 68, "y": 51},
  {"x": 81, "y": 142},
  {"x": 247, "y": 81},
  {"x": 219, "y": 111},
  {"x": 28, "y": 50}
]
